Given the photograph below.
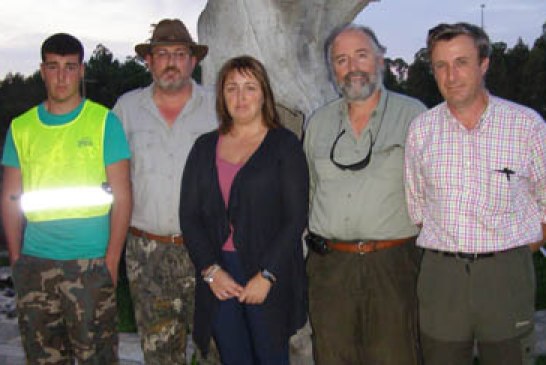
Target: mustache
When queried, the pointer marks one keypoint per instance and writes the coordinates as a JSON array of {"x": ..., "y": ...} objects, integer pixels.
[
  {"x": 364, "y": 75},
  {"x": 169, "y": 69}
]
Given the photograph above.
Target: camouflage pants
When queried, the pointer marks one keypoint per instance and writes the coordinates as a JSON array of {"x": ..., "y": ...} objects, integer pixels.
[
  {"x": 162, "y": 283},
  {"x": 67, "y": 311}
]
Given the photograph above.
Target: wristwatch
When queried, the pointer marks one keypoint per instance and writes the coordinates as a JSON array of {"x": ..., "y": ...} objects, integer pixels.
[
  {"x": 208, "y": 276},
  {"x": 266, "y": 274}
]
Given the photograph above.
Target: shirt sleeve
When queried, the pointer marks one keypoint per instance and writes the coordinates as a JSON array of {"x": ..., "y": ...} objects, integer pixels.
[
  {"x": 10, "y": 157},
  {"x": 116, "y": 147},
  {"x": 414, "y": 185}
]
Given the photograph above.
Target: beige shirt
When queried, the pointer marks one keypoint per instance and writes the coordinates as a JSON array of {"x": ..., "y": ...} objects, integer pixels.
[
  {"x": 370, "y": 203},
  {"x": 159, "y": 153}
]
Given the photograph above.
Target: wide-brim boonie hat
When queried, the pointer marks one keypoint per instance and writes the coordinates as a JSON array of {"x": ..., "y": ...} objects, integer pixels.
[{"x": 170, "y": 32}]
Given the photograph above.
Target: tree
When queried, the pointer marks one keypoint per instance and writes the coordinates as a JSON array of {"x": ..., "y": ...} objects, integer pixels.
[
  {"x": 18, "y": 94},
  {"x": 396, "y": 73},
  {"x": 106, "y": 78},
  {"x": 421, "y": 83},
  {"x": 515, "y": 59},
  {"x": 533, "y": 78},
  {"x": 496, "y": 78},
  {"x": 102, "y": 77}
]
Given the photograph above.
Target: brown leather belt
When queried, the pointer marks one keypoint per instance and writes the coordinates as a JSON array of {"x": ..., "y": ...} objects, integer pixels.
[
  {"x": 176, "y": 239},
  {"x": 365, "y": 247}
]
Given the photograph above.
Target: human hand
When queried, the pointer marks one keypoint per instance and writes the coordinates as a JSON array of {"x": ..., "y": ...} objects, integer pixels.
[
  {"x": 223, "y": 286},
  {"x": 256, "y": 290},
  {"x": 112, "y": 265},
  {"x": 536, "y": 246}
]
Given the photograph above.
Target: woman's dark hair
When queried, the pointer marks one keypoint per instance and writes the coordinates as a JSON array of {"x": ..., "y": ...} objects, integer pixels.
[{"x": 245, "y": 65}]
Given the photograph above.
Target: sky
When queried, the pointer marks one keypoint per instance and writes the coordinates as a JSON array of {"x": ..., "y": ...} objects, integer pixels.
[{"x": 401, "y": 25}]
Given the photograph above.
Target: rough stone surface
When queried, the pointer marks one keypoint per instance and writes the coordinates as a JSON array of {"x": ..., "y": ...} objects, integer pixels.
[{"x": 287, "y": 36}]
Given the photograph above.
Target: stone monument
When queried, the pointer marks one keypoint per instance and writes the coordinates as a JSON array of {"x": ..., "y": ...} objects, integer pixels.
[{"x": 287, "y": 36}]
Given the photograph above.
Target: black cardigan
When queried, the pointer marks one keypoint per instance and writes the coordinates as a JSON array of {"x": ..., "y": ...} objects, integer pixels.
[{"x": 268, "y": 209}]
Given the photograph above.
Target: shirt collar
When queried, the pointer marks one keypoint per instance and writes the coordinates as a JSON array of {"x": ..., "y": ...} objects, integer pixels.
[{"x": 482, "y": 123}]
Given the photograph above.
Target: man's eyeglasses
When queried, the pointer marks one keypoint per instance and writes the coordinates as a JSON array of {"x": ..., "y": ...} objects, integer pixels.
[
  {"x": 357, "y": 166},
  {"x": 164, "y": 55}
]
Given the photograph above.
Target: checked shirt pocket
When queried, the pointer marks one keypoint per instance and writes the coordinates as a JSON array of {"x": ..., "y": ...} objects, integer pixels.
[{"x": 499, "y": 192}]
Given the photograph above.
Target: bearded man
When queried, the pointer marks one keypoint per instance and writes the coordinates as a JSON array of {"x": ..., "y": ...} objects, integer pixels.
[
  {"x": 161, "y": 122},
  {"x": 363, "y": 261}
]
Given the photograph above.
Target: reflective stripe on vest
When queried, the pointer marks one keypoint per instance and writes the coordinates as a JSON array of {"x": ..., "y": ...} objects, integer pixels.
[
  {"x": 53, "y": 199},
  {"x": 59, "y": 163}
]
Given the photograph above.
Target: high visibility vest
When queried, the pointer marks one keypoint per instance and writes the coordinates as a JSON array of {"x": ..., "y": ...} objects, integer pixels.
[{"x": 62, "y": 166}]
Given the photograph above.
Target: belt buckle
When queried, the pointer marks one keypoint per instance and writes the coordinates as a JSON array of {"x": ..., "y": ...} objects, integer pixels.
[
  {"x": 173, "y": 237},
  {"x": 360, "y": 246},
  {"x": 468, "y": 258}
]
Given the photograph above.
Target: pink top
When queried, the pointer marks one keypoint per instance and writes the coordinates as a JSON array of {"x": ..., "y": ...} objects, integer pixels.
[{"x": 226, "y": 174}]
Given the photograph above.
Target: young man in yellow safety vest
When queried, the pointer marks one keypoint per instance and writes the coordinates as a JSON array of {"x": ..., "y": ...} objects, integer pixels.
[{"x": 66, "y": 202}]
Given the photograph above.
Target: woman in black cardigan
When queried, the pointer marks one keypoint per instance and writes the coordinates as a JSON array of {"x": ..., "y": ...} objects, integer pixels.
[{"x": 243, "y": 208}]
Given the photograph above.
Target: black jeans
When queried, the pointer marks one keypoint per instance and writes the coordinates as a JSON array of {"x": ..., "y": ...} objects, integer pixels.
[{"x": 240, "y": 330}]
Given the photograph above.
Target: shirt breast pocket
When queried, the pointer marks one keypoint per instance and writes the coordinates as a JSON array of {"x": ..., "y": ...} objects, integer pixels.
[
  {"x": 499, "y": 192},
  {"x": 327, "y": 171},
  {"x": 388, "y": 163},
  {"x": 143, "y": 145}
]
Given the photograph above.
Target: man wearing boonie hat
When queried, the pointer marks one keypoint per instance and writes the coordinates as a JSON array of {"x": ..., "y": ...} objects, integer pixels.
[{"x": 162, "y": 121}]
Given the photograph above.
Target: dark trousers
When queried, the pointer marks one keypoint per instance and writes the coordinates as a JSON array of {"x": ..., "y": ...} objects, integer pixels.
[
  {"x": 240, "y": 330},
  {"x": 363, "y": 308},
  {"x": 490, "y": 301}
]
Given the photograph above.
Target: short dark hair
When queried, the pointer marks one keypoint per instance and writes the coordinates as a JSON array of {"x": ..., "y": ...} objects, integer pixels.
[
  {"x": 62, "y": 44},
  {"x": 250, "y": 66},
  {"x": 446, "y": 32}
]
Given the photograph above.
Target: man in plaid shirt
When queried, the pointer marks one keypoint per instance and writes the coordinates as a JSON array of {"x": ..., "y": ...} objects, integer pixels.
[{"x": 476, "y": 184}]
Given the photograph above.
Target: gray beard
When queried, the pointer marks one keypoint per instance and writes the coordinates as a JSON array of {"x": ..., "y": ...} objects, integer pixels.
[
  {"x": 171, "y": 85},
  {"x": 353, "y": 92}
]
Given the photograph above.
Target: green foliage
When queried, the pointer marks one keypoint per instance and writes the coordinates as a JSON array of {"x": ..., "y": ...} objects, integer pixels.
[
  {"x": 17, "y": 94},
  {"x": 106, "y": 78},
  {"x": 420, "y": 83}
]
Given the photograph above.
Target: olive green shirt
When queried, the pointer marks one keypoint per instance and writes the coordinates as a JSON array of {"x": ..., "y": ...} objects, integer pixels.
[{"x": 368, "y": 204}]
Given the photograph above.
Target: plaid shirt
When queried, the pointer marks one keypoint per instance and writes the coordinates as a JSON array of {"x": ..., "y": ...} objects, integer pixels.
[{"x": 479, "y": 190}]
